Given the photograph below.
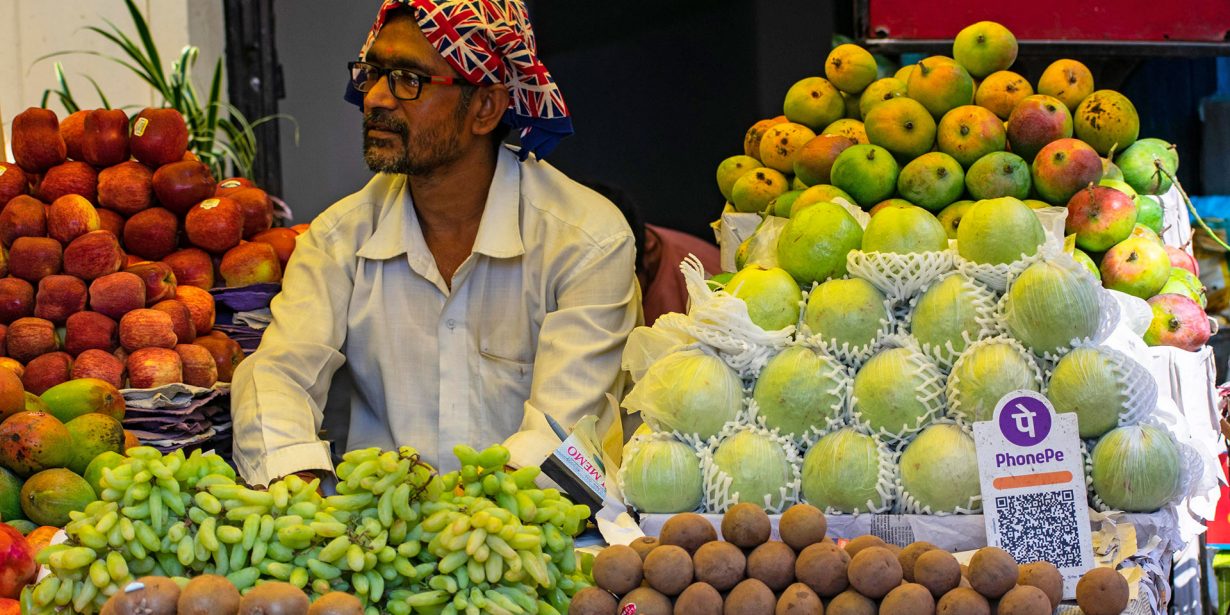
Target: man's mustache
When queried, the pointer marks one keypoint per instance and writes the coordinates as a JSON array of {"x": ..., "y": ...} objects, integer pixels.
[{"x": 385, "y": 123}]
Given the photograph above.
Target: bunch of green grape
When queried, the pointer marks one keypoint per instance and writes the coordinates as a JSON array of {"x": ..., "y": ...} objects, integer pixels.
[
  {"x": 500, "y": 545},
  {"x": 396, "y": 535}
]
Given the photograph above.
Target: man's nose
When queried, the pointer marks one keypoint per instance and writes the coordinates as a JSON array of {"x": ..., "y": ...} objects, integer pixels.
[{"x": 380, "y": 96}]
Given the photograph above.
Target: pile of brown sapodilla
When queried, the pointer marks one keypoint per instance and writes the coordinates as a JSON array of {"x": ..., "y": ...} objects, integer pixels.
[{"x": 688, "y": 571}]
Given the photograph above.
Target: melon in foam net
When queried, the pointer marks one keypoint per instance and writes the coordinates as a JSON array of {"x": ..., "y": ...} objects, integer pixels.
[
  {"x": 846, "y": 313},
  {"x": 897, "y": 392},
  {"x": 845, "y": 471},
  {"x": 663, "y": 476},
  {"x": 1137, "y": 468},
  {"x": 800, "y": 389},
  {"x": 939, "y": 471},
  {"x": 1094, "y": 383},
  {"x": 949, "y": 312},
  {"x": 1051, "y": 304},
  {"x": 759, "y": 468},
  {"x": 985, "y": 373},
  {"x": 690, "y": 392}
]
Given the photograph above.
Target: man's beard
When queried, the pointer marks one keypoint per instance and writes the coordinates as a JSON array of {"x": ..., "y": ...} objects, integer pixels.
[{"x": 429, "y": 149}]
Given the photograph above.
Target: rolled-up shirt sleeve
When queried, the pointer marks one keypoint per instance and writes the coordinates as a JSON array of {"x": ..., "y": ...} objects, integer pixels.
[
  {"x": 577, "y": 362},
  {"x": 279, "y": 392}
]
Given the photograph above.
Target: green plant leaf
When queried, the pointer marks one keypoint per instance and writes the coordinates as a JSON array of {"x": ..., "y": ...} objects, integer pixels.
[
  {"x": 98, "y": 89},
  {"x": 144, "y": 66},
  {"x": 138, "y": 20}
]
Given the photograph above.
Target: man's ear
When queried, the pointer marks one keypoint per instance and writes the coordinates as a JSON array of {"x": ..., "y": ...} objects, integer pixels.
[{"x": 490, "y": 103}]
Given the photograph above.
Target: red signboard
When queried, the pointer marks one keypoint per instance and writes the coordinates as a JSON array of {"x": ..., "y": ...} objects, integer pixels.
[
  {"x": 1087, "y": 20},
  {"x": 1219, "y": 527}
]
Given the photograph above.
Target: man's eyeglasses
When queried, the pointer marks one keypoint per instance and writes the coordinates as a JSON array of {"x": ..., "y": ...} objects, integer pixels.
[{"x": 404, "y": 84}]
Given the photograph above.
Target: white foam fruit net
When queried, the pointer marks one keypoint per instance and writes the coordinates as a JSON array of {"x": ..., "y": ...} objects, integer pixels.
[
  {"x": 801, "y": 394},
  {"x": 985, "y": 372},
  {"x": 748, "y": 463},
  {"x": 897, "y": 392},
  {"x": 949, "y": 315},
  {"x": 949, "y": 464},
  {"x": 993, "y": 276},
  {"x": 900, "y": 276},
  {"x": 1062, "y": 299},
  {"x": 833, "y": 323},
  {"x": 850, "y": 472},
  {"x": 1100, "y": 377},
  {"x": 634, "y": 448}
]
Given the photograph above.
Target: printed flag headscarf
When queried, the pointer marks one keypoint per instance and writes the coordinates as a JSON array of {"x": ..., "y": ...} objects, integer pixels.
[{"x": 489, "y": 42}]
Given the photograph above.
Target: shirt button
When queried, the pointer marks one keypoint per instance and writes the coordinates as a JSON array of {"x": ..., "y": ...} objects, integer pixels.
[{"x": 450, "y": 323}]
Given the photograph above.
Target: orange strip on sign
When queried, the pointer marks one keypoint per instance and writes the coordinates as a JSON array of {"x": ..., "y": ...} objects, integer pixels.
[{"x": 1032, "y": 480}]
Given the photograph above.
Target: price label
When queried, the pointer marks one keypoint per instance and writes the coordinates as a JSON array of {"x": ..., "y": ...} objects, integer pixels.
[{"x": 1033, "y": 485}]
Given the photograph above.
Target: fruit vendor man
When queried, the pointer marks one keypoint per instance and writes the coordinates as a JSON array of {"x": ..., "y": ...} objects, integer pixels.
[{"x": 471, "y": 289}]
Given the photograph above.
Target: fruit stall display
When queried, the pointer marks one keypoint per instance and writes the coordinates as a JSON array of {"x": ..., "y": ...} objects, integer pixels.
[
  {"x": 397, "y": 538},
  {"x": 688, "y": 569},
  {"x": 918, "y": 247}
]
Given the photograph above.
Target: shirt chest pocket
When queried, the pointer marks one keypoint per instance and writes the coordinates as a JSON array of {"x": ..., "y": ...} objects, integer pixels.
[{"x": 507, "y": 323}]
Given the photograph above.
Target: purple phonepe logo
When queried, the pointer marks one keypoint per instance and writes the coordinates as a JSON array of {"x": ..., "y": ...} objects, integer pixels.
[{"x": 1025, "y": 421}]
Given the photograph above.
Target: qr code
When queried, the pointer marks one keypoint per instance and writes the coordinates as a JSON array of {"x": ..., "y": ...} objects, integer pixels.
[{"x": 1040, "y": 526}]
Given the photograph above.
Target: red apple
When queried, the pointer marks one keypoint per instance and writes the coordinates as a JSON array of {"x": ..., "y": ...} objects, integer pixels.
[
  {"x": 150, "y": 368},
  {"x": 159, "y": 136},
  {"x": 70, "y": 217},
  {"x": 198, "y": 364},
  {"x": 126, "y": 188},
  {"x": 231, "y": 184},
  {"x": 116, "y": 294},
  {"x": 13, "y": 182},
  {"x": 94, "y": 363},
  {"x": 133, "y": 259},
  {"x": 16, "y": 299},
  {"x": 226, "y": 352},
  {"x": 145, "y": 328},
  {"x": 215, "y": 225},
  {"x": 1180, "y": 258},
  {"x": 250, "y": 263},
  {"x": 200, "y": 304},
  {"x": 159, "y": 280},
  {"x": 105, "y": 142},
  {"x": 46, "y": 371},
  {"x": 28, "y": 338},
  {"x": 152, "y": 234},
  {"x": 17, "y": 566},
  {"x": 72, "y": 130},
  {"x": 34, "y": 258},
  {"x": 23, "y": 216},
  {"x": 89, "y": 330},
  {"x": 93, "y": 255},
  {"x": 71, "y": 177},
  {"x": 112, "y": 223},
  {"x": 59, "y": 296},
  {"x": 180, "y": 185},
  {"x": 37, "y": 143},
  {"x": 192, "y": 267},
  {"x": 282, "y": 240},
  {"x": 256, "y": 208},
  {"x": 181, "y": 319}
]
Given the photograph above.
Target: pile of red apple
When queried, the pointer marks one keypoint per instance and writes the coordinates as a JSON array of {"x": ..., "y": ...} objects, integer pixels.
[{"x": 113, "y": 234}]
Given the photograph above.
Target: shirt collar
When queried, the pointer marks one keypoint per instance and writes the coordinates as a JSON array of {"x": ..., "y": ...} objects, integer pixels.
[{"x": 499, "y": 230}]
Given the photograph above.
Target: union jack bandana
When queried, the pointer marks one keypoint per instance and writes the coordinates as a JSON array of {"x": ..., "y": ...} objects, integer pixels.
[{"x": 489, "y": 42}]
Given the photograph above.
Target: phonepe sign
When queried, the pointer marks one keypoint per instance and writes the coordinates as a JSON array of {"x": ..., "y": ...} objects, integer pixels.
[{"x": 1033, "y": 485}]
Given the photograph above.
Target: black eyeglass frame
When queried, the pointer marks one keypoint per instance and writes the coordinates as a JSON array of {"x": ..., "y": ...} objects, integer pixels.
[{"x": 392, "y": 74}]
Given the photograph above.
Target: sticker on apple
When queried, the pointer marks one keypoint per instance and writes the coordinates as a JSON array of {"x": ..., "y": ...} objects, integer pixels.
[
  {"x": 138, "y": 128},
  {"x": 209, "y": 203}
]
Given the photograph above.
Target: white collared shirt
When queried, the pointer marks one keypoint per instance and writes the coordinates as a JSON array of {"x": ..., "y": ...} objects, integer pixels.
[{"x": 534, "y": 325}]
